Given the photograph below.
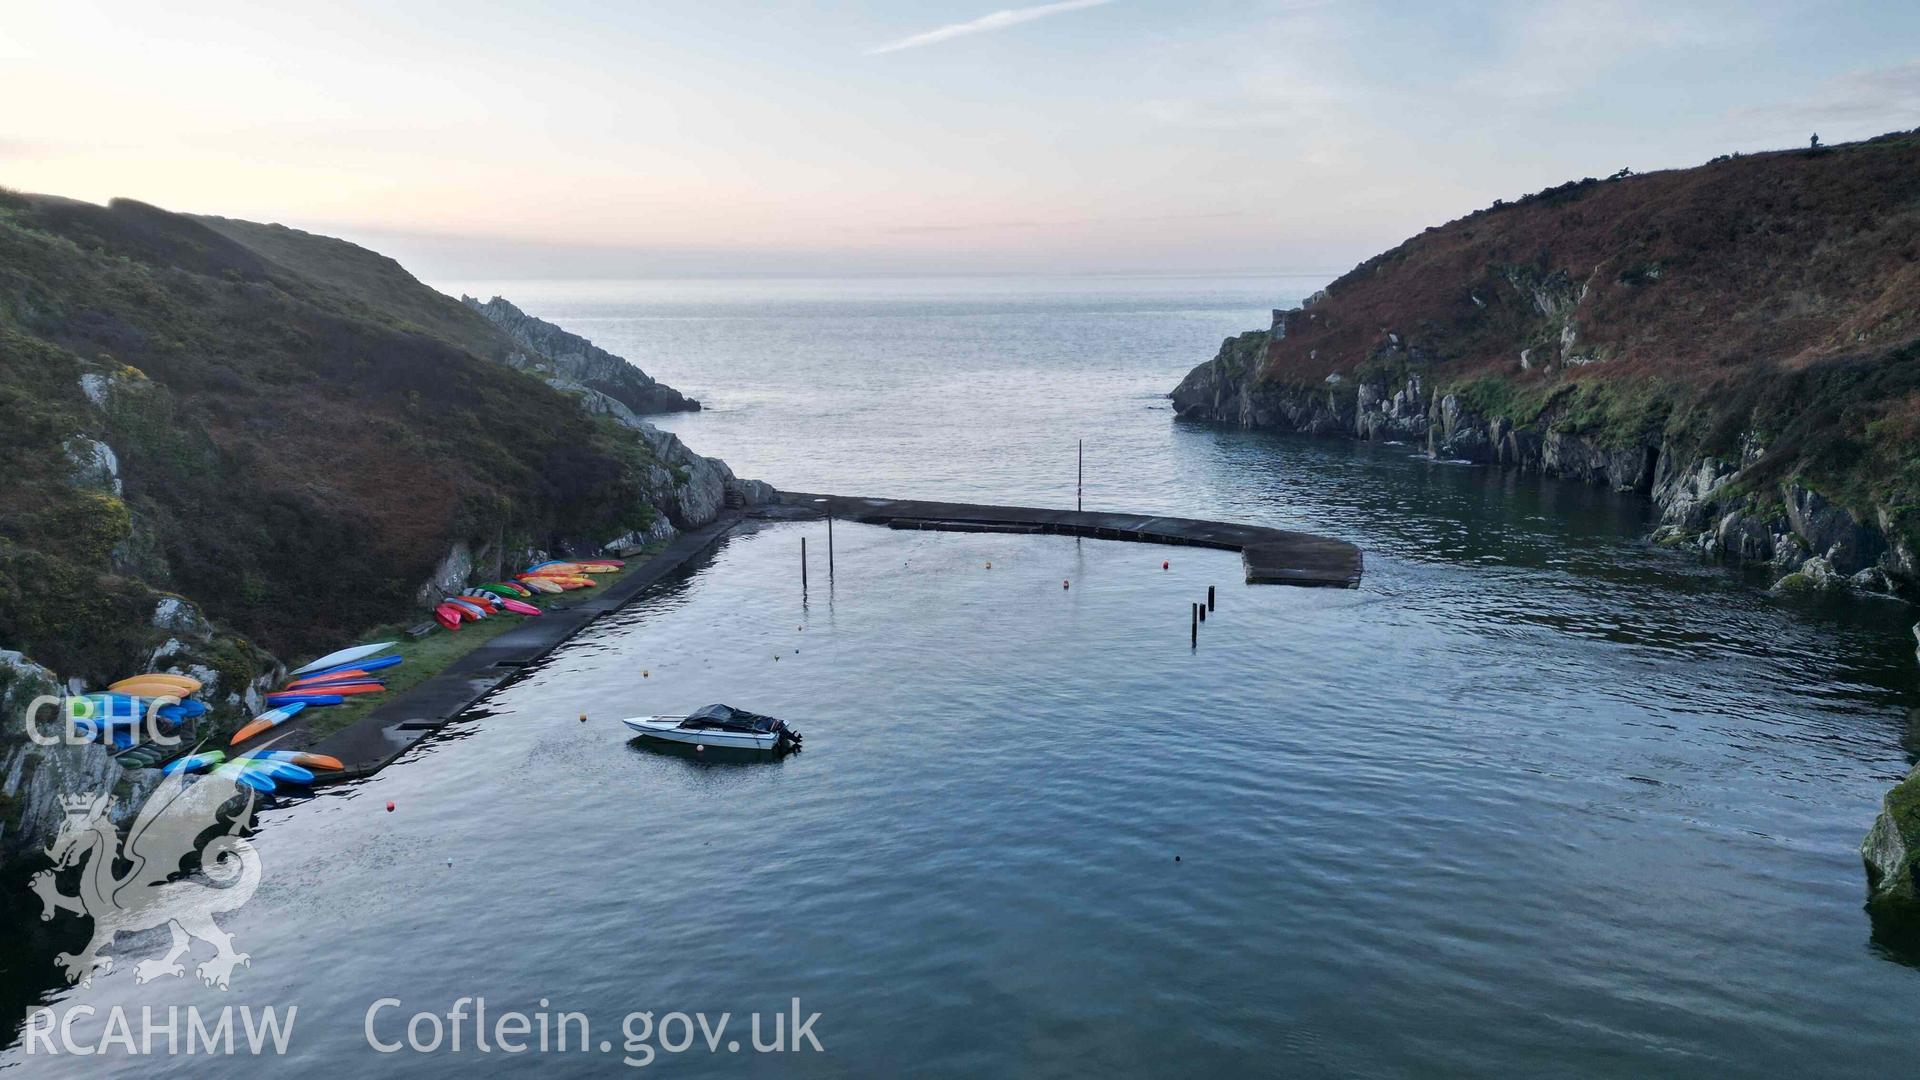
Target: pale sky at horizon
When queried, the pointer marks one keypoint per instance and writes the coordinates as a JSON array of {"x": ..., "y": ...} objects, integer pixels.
[{"x": 499, "y": 139}]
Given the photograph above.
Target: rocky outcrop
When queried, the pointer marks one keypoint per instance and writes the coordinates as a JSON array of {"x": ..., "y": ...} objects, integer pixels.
[
  {"x": 35, "y": 777},
  {"x": 450, "y": 576},
  {"x": 1706, "y": 502},
  {"x": 1891, "y": 849},
  {"x": 555, "y": 354}
]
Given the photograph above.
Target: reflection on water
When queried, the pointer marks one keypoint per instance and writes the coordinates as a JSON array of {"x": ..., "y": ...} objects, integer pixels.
[{"x": 1537, "y": 798}]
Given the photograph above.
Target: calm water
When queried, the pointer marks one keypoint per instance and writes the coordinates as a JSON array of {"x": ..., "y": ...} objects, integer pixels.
[{"x": 1536, "y": 799}]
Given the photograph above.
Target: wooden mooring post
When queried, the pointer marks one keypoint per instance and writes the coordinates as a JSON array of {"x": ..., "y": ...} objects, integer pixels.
[
  {"x": 803, "y": 564},
  {"x": 830, "y": 546},
  {"x": 1209, "y": 598},
  {"x": 1196, "y": 625}
]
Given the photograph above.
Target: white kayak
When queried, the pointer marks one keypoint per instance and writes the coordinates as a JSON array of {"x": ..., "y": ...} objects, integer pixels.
[
  {"x": 718, "y": 725},
  {"x": 334, "y": 659}
]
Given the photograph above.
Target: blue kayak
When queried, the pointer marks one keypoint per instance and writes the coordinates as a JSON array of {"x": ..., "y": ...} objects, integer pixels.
[
  {"x": 312, "y": 701},
  {"x": 252, "y": 778},
  {"x": 279, "y": 770},
  {"x": 194, "y": 762},
  {"x": 377, "y": 664}
]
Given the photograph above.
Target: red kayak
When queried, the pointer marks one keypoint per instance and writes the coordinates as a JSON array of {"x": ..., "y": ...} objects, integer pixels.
[
  {"x": 329, "y": 680},
  {"x": 448, "y": 616},
  {"x": 342, "y": 689}
]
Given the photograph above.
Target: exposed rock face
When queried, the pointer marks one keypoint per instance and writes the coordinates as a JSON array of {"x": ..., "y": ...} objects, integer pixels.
[
  {"x": 572, "y": 358},
  {"x": 448, "y": 577},
  {"x": 33, "y": 778},
  {"x": 1809, "y": 543},
  {"x": 1891, "y": 848},
  {"x": 95, "y": 465}
]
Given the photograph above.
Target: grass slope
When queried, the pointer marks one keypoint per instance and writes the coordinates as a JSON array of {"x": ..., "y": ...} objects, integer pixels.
[{"x": 298, "y": 449}]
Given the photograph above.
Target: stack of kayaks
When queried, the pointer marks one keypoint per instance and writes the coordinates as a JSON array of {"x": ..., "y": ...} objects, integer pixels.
[
  {"x": 118, "y": 716},
  {"x": 330, "y": 680},
  {"x": 274, "y": 766},
  {"x": 510, "y": 597},
  {"x": 269, "y": 771}
]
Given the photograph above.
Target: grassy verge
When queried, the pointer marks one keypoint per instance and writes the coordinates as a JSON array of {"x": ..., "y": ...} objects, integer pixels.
[{"x": 430, "y": 655}]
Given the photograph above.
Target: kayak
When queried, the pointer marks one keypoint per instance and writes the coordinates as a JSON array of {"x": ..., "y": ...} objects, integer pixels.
[
  {"x": 369, "y": 666},
  {"x": 538, "y": 585},
  {"x": 157, "y": 684},
  {"x": 303, "y": 758},
  {"x": 448, "y": 616},
  {"x": 146, "y": 686},
  {"x": 194, "y": 762},
  {"x": 309, "y": 700},
  {"x": 497, "y": 590},
  {"x": 468, "y": 608},
  {"x": 331, "y": 688},
  {"x": 485, "y": 602},
  {"x": 252, "y": 778},
  {"x": 108, "y": 709},
  {"x": 518, "y": 589},
  {"x": 328, "y": 680},
  {"x": 279, "y": 770},
  {"x": 560, "y": 579},
  {"x": 183, "y": 711},
  {"x": 272, "y": 718},
  {"x": 335, "y": 659},
  {"x": 519, "y": 607}
]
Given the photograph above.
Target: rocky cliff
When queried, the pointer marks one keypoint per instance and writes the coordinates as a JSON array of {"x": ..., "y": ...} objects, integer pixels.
[
  {"x": 1740, "y": 342},
  {"x": 553, "y": 353},
  {"x": 229, "y": 441}
]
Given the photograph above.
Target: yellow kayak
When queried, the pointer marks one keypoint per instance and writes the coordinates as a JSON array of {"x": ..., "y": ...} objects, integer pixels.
[{"x": 156, "y": 684}]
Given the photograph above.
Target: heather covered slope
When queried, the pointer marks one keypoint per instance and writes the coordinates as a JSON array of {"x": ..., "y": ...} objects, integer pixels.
[
  {"x": 1740, "y": 340},
  {"x": 288, "y": 431}
]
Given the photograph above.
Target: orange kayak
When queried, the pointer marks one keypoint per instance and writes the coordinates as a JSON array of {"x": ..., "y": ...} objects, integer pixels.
[
  {"x": 342, "y": 689},
  {"x": 324, "y": 680}
]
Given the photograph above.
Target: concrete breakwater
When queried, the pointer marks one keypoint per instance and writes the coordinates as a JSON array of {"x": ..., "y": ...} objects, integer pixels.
[{"x": 1271, "y": 556}]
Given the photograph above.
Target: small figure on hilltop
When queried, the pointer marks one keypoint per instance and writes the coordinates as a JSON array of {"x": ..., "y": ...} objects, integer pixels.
[{"x": 1815, "y": 143}]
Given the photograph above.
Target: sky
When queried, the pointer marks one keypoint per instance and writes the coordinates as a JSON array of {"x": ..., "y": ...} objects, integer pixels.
[{"x": 564, "y": 139}]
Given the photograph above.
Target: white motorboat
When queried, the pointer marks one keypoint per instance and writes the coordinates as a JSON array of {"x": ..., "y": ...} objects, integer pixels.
[{"x": 718, "y": 725}]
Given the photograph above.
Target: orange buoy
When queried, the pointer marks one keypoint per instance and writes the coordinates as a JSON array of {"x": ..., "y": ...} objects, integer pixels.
[
  {"x": 389, "y": 806},
  {"x": 583, "y": 718},
  {"x": 1163, "y": 564}
]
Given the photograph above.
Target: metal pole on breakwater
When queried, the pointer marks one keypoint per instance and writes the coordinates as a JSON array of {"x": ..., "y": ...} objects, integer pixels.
[
  {"x": 1080, "y": 477},
  {"x": 829, "y": 545},
  {"x": 803, "y": 564}
]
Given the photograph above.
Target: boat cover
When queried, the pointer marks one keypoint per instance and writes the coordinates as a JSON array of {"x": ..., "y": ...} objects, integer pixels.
[{"x": 727, "y": 718}]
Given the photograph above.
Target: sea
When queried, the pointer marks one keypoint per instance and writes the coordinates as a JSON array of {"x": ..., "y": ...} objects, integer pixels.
[{"x": 1538, "y": 798}]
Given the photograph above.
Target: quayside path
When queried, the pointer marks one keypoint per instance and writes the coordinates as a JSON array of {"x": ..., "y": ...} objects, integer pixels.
[{"x": 1272, "y": 556}]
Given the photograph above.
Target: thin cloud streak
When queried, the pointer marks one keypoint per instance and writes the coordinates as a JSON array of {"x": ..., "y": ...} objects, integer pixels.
[{"x": 998, "y": 20}]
